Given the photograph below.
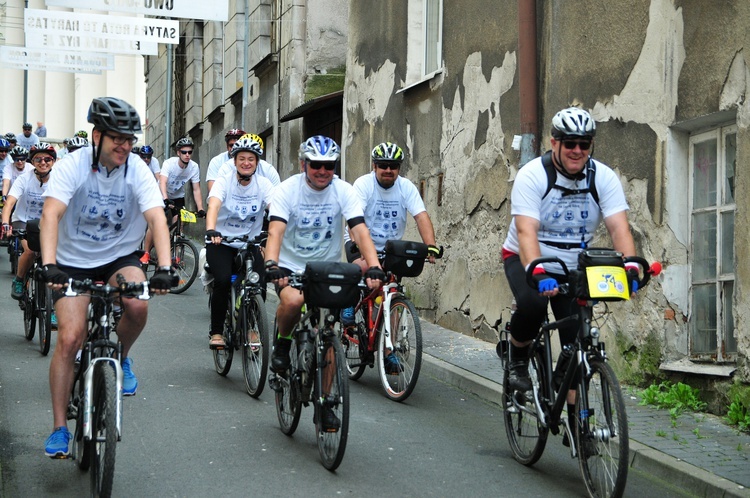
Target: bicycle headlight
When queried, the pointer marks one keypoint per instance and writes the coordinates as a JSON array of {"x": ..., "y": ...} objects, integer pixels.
[{"x": 253, "y": 277}]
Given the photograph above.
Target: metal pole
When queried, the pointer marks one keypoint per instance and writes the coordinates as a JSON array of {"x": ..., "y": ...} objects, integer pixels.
[
  {"x": 245, "y": 57},
  {"x": 26, "y": 85},
  {"x": 168, "y": 110}
]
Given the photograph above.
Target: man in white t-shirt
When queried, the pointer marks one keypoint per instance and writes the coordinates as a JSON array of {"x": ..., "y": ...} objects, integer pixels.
[
  {"x": 16, "y": 168},
  {"x": 5, "y": 159},
  {"x": 27, "y": 138},
  {"x": 176, "y": 173},
  {"x": 97, "y": 206},
  {"x": 212, "y": 173},
  {"x": 307, "y": 216},
  {"x": 147, "y": 154}
]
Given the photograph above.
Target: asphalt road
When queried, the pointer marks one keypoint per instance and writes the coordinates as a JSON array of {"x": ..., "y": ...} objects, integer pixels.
[{"x": 191, "y": 433}]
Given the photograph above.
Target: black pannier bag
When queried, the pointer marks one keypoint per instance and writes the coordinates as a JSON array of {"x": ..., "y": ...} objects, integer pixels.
[
  {"x": 332, "y": 284},
  {"x": 601, "y": 276},
  {"x": 404, "y": 258},
  {"x": 32, "y": 235}
]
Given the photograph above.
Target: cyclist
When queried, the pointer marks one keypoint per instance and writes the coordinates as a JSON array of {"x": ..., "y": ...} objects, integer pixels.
[
  {"x": 213, "y": 166},
  {"x": 235, "y": 208},
  {"x": 11, "y": 137},
  {"x": 27, "y": 138},
  {"x": 26, "y": 196},
  {"x": 18, "y": 167},
  {"x": 4, "y": 159},
  {"x": 82, "y": 134},
  {"x": 176, "y": 172},
  {"x": 147, "y": 154},
  {"x": 559, "y": 220},
  {"x": 265, "y": 169},
  {"x": 306, "y": 224},
  {"x": 97, "y": 205}
]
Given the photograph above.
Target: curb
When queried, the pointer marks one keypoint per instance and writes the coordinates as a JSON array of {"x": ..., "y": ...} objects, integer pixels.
[{"x": 642, "y": 457}]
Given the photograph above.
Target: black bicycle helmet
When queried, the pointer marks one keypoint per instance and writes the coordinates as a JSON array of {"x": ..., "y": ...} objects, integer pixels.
[
  {"x": 110, "y": 113},
  {"x": 27, "y": 126},
  {"x": 387, "y": 152},
  {"x": 184, "y": 141},
  {"x": 11, "y": 137}
]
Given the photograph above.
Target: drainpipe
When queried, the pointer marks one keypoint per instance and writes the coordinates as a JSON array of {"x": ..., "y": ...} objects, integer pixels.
[
  {"x": 245, "y": 79},
  {"x": 168, "y": 109},
  {"x": 528, "y": 79}
]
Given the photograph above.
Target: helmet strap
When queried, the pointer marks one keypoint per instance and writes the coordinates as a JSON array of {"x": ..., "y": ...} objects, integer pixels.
[
  {"x": 557, "y": 163},
  {"x": 244, "y": 178}
]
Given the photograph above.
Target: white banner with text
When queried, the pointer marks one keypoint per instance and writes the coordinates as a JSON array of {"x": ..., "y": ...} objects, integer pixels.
[
  {"x": 214, "y": 10},
  {"x": 50, "y": 60}
]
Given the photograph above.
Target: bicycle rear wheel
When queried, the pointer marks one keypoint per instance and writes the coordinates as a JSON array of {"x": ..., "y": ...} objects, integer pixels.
[
  {"x": 44, "y": 312},
  {"x": 223, "y": 357},
  {"x": 603, "y": 448},
  {"x": 104, "y": 430},
  {"x": 29, "y": 308},
  {"x": 400, "y": 378},
  {"x": 185, "y": 258},
  {"x": 288, "y": 396},
  {"x": 332, "y": 444},
  {"x": 253, "y": 326},
  {"x": 526, "y": 435},
  {"x": 354, "y": 347}
]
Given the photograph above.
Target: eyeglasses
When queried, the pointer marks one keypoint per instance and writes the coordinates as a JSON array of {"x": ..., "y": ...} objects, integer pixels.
[
  {"x": 146, "y": 157},
  {"x": 20, "y": 160},
  {"x": 40, "y": 160},
  {"x": 121, "y": 140},
  {"x": 572, "y": 144},
  {"x": 384, "y": 166},
  {"x": 186, "y": 152},
  {"x": 316, "y": 165}
]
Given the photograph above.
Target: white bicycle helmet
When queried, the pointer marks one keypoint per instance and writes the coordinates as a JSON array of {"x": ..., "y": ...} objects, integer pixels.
[
  {"x": 573, "y": 122},
  {"x": 320, "y": 148},
  {"x": 247, "y": 144}
]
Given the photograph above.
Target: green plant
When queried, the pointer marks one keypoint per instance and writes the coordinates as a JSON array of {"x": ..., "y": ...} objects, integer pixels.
[
  {"x": 675, "y": 397},
  {"x": 739, "y": 414},
  {"x": 661, "y": 433}
]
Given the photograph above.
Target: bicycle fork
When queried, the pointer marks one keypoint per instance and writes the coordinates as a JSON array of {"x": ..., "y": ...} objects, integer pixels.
[{"x": 88, "y": 389}]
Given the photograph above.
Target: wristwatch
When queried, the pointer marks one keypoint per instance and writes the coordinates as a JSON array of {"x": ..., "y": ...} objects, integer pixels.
[
  {"x": 164, "y": 268},
  {"x": 271, "y": 263}
]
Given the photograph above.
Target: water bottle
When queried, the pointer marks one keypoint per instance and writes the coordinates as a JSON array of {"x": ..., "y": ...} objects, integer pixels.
[{"x": 562, "y": 365}]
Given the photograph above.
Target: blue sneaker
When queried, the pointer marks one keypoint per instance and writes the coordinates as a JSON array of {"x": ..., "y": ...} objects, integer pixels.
[
  {"x": 58, "y": 443},
  {"x": 347, "y": 316},
  {"x": 53, "y": 319},
  {"x": 129, "y": 382},
  {"x": 16, "y": 289},
  {"x": 392, "y": 365}
]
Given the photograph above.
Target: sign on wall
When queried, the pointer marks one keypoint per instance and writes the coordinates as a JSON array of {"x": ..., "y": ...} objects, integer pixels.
[{"x": 214, "y": 10}]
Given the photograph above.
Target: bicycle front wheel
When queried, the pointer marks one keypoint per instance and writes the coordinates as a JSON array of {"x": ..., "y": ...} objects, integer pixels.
[
  {"x": 253, "y": 326},
  {"x": 29, "y": 307},
  {"x": 355, "y": 348},
  {"x": 399, "y": 368},
  {"x": 104, "y": 442},
  {"x": 44, "y": 312},
  {"x": 288, "y": 396},
  {"x": 333, "y": 398},
  {"x": 602, "y": 433},
  {"x": 526, "y": 434},
  {"x": 185, "y": 257}
]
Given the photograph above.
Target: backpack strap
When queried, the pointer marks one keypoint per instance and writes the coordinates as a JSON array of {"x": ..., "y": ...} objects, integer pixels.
[{"x": 549, "y": 168}]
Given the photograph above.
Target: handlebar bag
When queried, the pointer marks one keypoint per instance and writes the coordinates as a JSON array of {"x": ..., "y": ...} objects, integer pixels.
[
  {"x": 331, "y": 284},
  {"x": 404, "y": 258},
  {"x": 32, "y": 235},
  {"x": 602, "y": 276}
]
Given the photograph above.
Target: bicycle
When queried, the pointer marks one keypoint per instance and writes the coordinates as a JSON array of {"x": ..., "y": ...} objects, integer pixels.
[
  {"x": 185, "y": 254},
  {"x": 36, "y": 301},
  {"x": 317, "y": 372},
  {"x": 246, "y": 324},
  {"x": 386, "y": 320},
  {"x": 599, "y": 438},
  {"x": 96, "y": 398}
]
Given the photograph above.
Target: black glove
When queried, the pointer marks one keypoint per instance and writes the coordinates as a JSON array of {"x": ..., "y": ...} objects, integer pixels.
[
  {"x": 53, "y": 275},
  {"x": 163, "y": 280},
  {"x": 168, "y": 204},
  {"x": 375, "y": 273},
  {"x": 201, "y": 214},
  {"x": 435, "y": 251},
  {"x": 210, "y": 234},
  {"x": 273, "y": 272}
]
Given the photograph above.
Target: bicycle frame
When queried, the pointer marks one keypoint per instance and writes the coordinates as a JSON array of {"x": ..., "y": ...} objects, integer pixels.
[{"x": 387, "y": 291}]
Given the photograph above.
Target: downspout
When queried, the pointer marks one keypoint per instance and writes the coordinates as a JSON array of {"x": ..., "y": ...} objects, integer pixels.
[
  {"x": 245, "y": 78},
  {"x": 528, "y": 79},
  {"x": 168, "y": 110}
]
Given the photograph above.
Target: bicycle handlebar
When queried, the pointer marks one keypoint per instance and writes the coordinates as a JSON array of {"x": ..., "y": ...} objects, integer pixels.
[
  {"x": 257, "y": 240},
  {"x": 138, "y": 290}
]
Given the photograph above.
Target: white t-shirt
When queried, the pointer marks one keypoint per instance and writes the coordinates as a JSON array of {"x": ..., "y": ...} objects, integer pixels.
[
  {"x": 104, "y": 216},
  {"x": 8, "y": 161},
  {"x": 242, "y": 207},
  {"x": 154, "y": 165},
  {"x": 264, "y": 169},
  {"x": 563, "y": 219},
  {"x": 212, "y": 173},
  {"x": 10, "y": 172},
  {"x": 28, "y": 190},
  {"x": 386, "y": 209},
  {"x": 314, "y": 220},
  {"x": 177, "y": 177}
]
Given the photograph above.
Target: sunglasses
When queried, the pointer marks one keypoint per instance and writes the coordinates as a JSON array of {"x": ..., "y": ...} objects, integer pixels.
[
  {"x": 40, "y": 160},
  {"x": 121, "y": 140},
  {"x": 572, "y": 144},
  {"x": 186, "y": 152},
  {"x": 316, "y": 165},
  {"x": 391, "y": 166}
]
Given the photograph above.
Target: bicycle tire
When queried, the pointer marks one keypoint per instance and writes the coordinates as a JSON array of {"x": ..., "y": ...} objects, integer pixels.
[
  {"x": 44, "y": 312},
  {"x": 254, "y": 349},
  {"x": 185, "y": 257},
  {"x": 406, "y": 336},
  {"x": 82, "y": 449},
  {"x": 603, "y": 451},
  {"x": 354, "y": 349},
  {"x": 526, "y": 435},
  {"x": 104, "y": 431},
  {"x": 29, "y": 307},
  {"x": 288, "y": 398},
  {"x": 332, "y": 445},
  {"x": 223, "y": 357}
]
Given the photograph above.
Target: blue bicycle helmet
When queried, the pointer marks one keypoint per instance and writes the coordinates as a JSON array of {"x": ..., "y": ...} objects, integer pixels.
[
  {"x": 4, "y": 145},
  {"x": 320, "y": 148},
  {"x": 147, "y": 150}
]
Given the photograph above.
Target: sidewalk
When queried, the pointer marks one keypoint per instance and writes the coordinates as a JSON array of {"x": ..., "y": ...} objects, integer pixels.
[{"x": 698, "y": 451}]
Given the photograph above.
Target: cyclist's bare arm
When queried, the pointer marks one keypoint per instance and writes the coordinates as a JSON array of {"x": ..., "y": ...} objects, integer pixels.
[
  {"x": 276, "y": 229},
  {"x": 157, "y": 223},
  {"x": 528, "y": 241},
  {"x": 361, "y": 236},
  {"x": 212, "y": 214},
  {"x": 6, "y": 187},
  {"x": 163, "y": 186},
  {"x": 52, "y": 213},
  {"x": 198, "y": 196},
  {"x": 10, "y": 201},
  {"x": 619, "y": 230},
  {"x": 426, "y": 231}
]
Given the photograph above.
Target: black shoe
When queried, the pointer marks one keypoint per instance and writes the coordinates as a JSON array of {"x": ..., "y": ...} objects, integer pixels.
[
  {"x": 518, "y": 378},
  {"x": 331, "y": 422},
  {"x": 280, "y": 357}
]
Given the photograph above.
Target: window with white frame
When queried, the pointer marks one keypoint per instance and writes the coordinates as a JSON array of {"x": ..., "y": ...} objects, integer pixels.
[
  {"x": 425, "y": 40},
  {"x": 713, "y": 164}
]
